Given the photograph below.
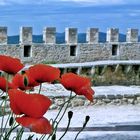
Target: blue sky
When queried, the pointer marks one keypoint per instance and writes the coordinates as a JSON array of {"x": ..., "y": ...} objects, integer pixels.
[{"x": 82, "y": 14}]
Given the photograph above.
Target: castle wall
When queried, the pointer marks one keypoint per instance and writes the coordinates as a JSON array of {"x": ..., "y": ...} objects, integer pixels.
[{"x": 71, "y": 51}]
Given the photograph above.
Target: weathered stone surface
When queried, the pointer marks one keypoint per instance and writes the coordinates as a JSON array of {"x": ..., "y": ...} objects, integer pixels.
[
  {"x": 107, "y": 101},
  {"x": 77, "y": 102},
  {"x": 59, "y": 101},
  {"x": 137, "y": 95},
  {"x": 53, "y": 106},
  {"x": 100, "y": 97},
  {"x": 111, "y": 97},
  {"x": 119, "y": 96},
  {"x": 130, "y": 101},
  {"x": 129, "y": 96}
]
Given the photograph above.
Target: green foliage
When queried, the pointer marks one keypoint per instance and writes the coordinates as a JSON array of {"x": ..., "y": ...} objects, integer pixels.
[{"x": 49, "y": 62}]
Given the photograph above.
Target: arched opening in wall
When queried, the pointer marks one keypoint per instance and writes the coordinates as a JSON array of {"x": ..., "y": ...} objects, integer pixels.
[
  {"x": 115, "y": 50},
  {"x": 73, "y": 49},
  {"x": 27, "y": 51}
]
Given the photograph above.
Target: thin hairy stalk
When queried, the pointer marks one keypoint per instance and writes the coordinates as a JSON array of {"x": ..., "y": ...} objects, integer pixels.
[
  {"x": 40, "y": 88},
  {"x": 79, "y": 133},
  {"x": 20, "y": 133},
  {"x": 63, "y": 113},
  {"x": 8, "y": 133},
  {"x": 62, "y": 105},
  {"x": 7, "y": 121},
  {"x": 84, "y": 125},
  {"x": 1, "y": 93},
  {"x": 66, "y": 129},
  {"x": 7, "y": 77}
]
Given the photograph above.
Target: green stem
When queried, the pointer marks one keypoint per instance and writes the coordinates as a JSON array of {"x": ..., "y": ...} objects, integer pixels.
[
  {"x": 78, "y": 133},
  {"x": 8, "y": 133},
  {"x": 1, "y": 93},
  {"x": 63, "y": 113},
  {"x": 40, "y": 88},
  {"x": 84, "y": 125},
  {"x": 62, "y": 105},
  {"x": 19, "y": 135},
  {"x": 66, "y": 129}
]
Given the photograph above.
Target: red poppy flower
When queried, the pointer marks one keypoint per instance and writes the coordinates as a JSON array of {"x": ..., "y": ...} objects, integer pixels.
[
  {"x": 23, "y": 82},
  {"x": 44, "y": 73},
  {"x": 3, "y": 83},
  {"x": 38, "y": 125},
  {"x": 80, "y": 85},
  {"x": 10, "y": 65},
  {"x": 33, "y": 105}
]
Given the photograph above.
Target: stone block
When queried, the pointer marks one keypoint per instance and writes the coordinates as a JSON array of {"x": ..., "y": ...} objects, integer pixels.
[
  {"x": 25, "y": 35},
  {"x": 111, "y": 97},
  {"x": 49, "y": 35},
  {"x": 3, "y": 35},
  {"x": 119, "y": 96},
  {"x": 131, "y": 96},
  {"x": 71, "y": 35},
  {"x": 132, "y": 35},
  {"x": 92, "y": 35},
  {"x": 100, "y": 97},
  {"x": 113, "y": 35}
]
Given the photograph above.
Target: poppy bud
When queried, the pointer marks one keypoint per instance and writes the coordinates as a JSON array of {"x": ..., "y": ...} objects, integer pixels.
[
  {"x": 25, "y": 81},
  {"x": 86, "y": 121},
  {"x": 11, "y": 121},
  {"x": 70, "y": 114}
]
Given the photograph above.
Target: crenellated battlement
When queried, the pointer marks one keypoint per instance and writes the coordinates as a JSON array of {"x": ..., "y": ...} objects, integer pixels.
[
  {"x": 71, "y": 51},
  {"x": 71, "y": 35}
]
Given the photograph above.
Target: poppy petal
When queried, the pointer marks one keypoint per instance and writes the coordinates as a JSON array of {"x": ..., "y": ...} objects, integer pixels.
[
  {"x": 38, "y": 125},
  {"x": 73, "y": 81},
  {"x": 10, "y": 65},
  {"x": 44, "y": 73},
  {"x": 87, "y": 92},
  {"x": 33, "y": 105},
  {"x": 80, "y": 85},
  {"x": 13, "y": 97}
]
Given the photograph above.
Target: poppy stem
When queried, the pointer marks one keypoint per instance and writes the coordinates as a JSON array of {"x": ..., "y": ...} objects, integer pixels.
[
  {"x": 62, "y": 106},
  {"x": 40, "y": 88},
  {"x": 4, "y": 101},
  {"x": 63, "y": 113},
  {"x": 70, "y": 114},
  {"x": 84, "y": 125},
  {"x": 1, "y": 93}
]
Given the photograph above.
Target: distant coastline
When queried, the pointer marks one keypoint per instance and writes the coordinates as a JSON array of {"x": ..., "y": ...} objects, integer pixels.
[{"x": 60, "y": 38}]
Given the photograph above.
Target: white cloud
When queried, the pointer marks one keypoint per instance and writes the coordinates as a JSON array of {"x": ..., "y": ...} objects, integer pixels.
[
  {"x": 98, "y": 2},
  {"x": 9, "y": 2},
  {"x": 92, "y": 2}
]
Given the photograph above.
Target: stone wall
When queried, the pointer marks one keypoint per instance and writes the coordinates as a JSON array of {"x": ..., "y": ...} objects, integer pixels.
[
  {"x": 60, "y": 53},
  {"x": 119, "y": 99},
  {"x": 71, "y": 51},
  {"x": 111, "y": 99}
]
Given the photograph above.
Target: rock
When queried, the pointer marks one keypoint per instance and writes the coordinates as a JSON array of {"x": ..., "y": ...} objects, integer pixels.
[
  {"x": 107, "y": 100},
  {"x": 77, "y": 102},
  {"x": 100, "y": 97},
  {"x": 111, "y": 97},
  {"x": 119, "y": 96},
  {"x": 53, "y": 106},
  {"x": 129, "y": 96},
  {"x": 59, "y": 101}
]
